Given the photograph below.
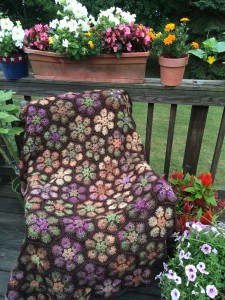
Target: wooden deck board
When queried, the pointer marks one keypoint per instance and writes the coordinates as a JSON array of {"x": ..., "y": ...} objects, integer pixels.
[{"x": 11, "y": 238}]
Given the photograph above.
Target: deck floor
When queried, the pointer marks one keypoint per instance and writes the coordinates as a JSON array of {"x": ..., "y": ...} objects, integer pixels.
[{"x": 11, "y": 238}]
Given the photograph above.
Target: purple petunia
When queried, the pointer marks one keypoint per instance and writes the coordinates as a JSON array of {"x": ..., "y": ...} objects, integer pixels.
[
  {"x": 201, "y": 268},
  {"x": 175, "y": 294},
  {"x": 191, "y": 271},
  {"x": 206, "y": 249},
  {"x": 211, "y": 291}
]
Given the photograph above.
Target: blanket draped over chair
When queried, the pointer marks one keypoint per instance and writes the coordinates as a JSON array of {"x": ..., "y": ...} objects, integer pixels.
[{"x": 97, "y": 216}]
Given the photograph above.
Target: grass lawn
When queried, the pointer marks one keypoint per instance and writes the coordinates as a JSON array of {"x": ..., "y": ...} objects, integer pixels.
[{"x": 159, "y": 138}]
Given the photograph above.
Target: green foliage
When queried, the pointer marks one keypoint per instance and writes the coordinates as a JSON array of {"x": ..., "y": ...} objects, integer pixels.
[{"x": 8, "y": 114}]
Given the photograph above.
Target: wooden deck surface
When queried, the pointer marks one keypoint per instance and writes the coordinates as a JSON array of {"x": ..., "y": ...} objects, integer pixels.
[{"x": 11, "y": 237}]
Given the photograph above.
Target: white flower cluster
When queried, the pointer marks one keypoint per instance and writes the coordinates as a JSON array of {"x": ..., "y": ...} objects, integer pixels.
[
  {"x": 117, "y": 16},
  {"x": 7, "y": 28}
]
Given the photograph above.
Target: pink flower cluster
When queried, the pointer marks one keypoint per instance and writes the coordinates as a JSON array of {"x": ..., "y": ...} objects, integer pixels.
[
  {"x": 37, "y": 37},
  {"x": 126, "y": 38}
]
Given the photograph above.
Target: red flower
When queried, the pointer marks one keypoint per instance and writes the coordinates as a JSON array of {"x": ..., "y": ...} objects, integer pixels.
[
  {"x": 180, "y": 175},
  {"x": 206, "y": 218},
  {"x": 199, "y": 202},
  {"x": 206, "y": 179},
  {"x": 187, "y": 206}
]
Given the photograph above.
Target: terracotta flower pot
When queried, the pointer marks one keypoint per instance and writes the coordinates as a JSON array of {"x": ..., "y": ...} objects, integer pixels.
[
  {"x": 130, "y": 67},
  {"x": 172, "y": 70}
]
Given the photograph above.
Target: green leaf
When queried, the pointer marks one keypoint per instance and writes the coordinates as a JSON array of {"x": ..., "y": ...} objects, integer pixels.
[
  {"x": 6, "y": 95},
  {"x": 198, "y": 196},
  {"x": 220, "y": 47},
  {"x": 210, "y": 200},
  {"x": 190, "y": 189},
  {"x": 210, "y": 43},
  {"x": 15, "y": 131},
  {"x": 4, "y": 131},
  {"x": 199, "y": 213},
  {"x": 8, "y": 107},
  {"x": 197, "y": 52},
  {"x": 11, "y": 118}
]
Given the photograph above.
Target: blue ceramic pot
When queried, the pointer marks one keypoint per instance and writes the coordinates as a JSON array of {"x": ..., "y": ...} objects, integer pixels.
[{"x": 14, "y": 66}]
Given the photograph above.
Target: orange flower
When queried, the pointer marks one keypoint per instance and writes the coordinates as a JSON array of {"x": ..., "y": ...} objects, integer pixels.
[
  {"x": 206, "y": 218},
  {"x": 170, "y": 26},
  {"x": 169, "y": 40},
  {"x": 195, "y": 45},
  {"x": 206, "y": 179},
  {"x": 184, "y": 20}
]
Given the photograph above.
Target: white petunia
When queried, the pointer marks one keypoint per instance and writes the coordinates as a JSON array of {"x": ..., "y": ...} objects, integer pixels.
[
  {"x": 65, "y": 43},
  {"x": 6, "y": 24}
]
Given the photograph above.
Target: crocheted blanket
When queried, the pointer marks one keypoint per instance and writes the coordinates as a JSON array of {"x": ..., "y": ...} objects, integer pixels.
[{"x": 97, "y": 216}]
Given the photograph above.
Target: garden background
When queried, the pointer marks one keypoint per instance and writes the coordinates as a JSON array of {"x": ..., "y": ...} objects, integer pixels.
[{"x": 207, "y": 19}]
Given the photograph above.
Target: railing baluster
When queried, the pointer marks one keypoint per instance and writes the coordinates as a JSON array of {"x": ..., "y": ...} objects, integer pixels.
[
  {"x": 194, "y": 137},
  {"x": 173, "y": 112},
  {"x": 148, "y": 135},
  {"x": 218, "y": 148}
]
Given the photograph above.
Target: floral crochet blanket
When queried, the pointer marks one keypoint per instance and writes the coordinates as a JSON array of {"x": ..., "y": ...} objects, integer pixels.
[{"x": 97, "y": 216}]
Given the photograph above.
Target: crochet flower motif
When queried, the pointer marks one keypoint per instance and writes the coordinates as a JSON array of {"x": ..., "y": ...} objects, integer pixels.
[
  {"x": 104, "y": 121},
  {"x": 82, "y": 294},
  {"x": 72, "y": 154},
  {"x": 108, "y": 288},
  {"x": 89, "y": 103},
  {"x": 138, "y": 277},
  {"x": 141, "y": 207},
  {"x": 55, "y": 137},
  {"x": 37, "y": 119},
  {"x": 108, "y": 168},
  {"x": 46, "y": 191},
  {"x": 59, "y": 208},
  {"x": 153, "y": 251},
  {"x": 124, "y": 121},
  {"x": 125, "y": 181},
  {"x": 111, "y": 221},
  {"x": 132, "y": 236},
  {"x": 121, "y": 265},
  {"x": 114, "y": 98},
  {"x": 133, "y": 142},
  {"x": 32, "y": 145},
  {"x": 41, "y": 226},
  {"x": 119, "y": 200},
  {"x": 32, "y": 203},
  {"x": 78, "y": 226},
  {"x": 48, "y": 161},
  {"x": 100, "y": 247},
  {"x": 74, "y": 193},
  {"x": 85, "y": 172},
  {"x": 161, "y": 222},
  {"x": 59, "y": 285},
  {"x": 80, "y": 128},
  {"x": 62, "y": 111},
  {"x": 144, "y": 183},
  {"x": 116, "y": 143},
  {"x": 33, "y": 283},
  {"x": 62, "y": 176},
  {"x": 67, "y": 254},
  {"x": 100, "y": 190},
  {"x": 164, "y": 192},
  {"x": 35, "y": 257},
  {"x": 129, "y": 161},
  {"x": 90, "y": 274},
  {"x": 90, "y": 208},
  {"x": 16, "y": 277},
  {"x": 95, "y": 147}
]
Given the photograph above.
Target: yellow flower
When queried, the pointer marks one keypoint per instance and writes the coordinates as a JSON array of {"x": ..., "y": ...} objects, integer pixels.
[
  {"x": 170, "y": 26},
  {"x": 158, "y": 34},
  {"x": 87, "y": 33},
  {"x": 169, "y": 40},
  {"x": 140, "y": 27},
  {"x": 211, "y": 59},
  {"x": 195, "y": 45},
  {"x": 151, "y": 34},
  {"x": 184, "y": 20},
  {"x": 51, "y": 40},
  {"x": 91, "y": 44}
]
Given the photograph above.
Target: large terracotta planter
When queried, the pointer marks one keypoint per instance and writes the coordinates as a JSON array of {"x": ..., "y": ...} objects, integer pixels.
[
  {"x": 130, "y": 67},
  {"x": 172, "y": 70}
]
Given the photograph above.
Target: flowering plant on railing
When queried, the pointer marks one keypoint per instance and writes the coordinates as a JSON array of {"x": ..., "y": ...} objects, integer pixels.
[
  {"x": 197, "y": 198},
  {"x": 197, "y": 269},
  {"x": 77, "y": 34},
  {"x": 11, "y": 37},
  {"x": 172, "y": 41},
  {"x": 210, "y": 50}
]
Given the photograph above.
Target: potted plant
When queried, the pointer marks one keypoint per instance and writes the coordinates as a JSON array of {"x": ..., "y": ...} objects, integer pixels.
[
  {"x": 210, "y": 51},
  {"x": 13, "y": 60},
  {"x": 197, "y": 268},
  {"x": 77, "y": 47},
  {"x": 172, "y": 48},
  {"x": 197, "y": 199},
  {"x": 8, "y": 115}
]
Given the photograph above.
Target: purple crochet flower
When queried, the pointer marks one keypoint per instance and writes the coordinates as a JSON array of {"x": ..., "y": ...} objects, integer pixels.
[
  {"x": 90, "y": 273},
  {"x": 88, "y": 103},
  {"x": 37, "y": 119},
  {"x": 74, "y": 193},
  {"x": 164, "y": 191},
  {"x": 78, "y": 226}
]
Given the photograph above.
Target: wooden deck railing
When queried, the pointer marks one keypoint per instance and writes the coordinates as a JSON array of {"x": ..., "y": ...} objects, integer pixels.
[{"x": 200, "y": 94}]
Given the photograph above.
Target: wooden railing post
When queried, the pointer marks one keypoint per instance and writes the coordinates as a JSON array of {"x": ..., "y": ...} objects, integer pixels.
[{"x": 194, "y": 137}]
